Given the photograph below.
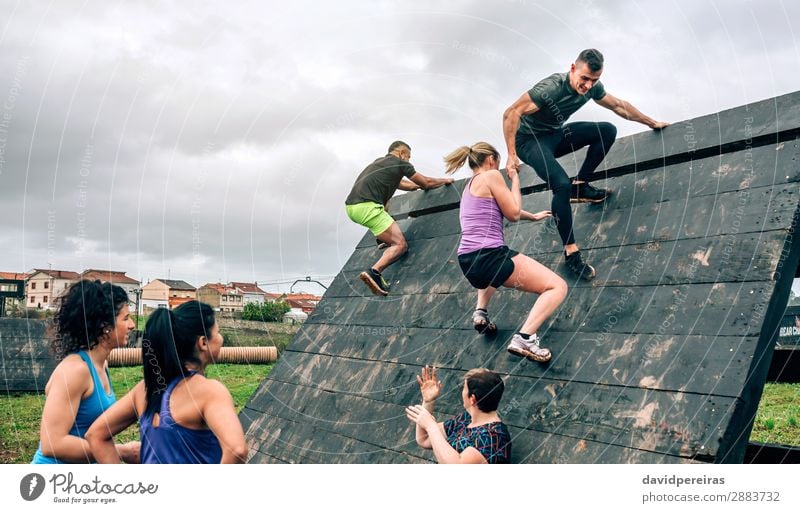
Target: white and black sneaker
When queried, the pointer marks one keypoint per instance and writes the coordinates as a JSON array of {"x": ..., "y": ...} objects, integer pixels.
[{"x": 529, "y": 348}]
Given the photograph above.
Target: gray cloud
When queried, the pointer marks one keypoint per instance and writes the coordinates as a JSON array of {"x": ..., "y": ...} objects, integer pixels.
[{"x": 220, "y": 144}]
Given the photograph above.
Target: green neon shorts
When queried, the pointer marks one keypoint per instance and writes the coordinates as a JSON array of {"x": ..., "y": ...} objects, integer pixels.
[{"x": 372, "y": 215}]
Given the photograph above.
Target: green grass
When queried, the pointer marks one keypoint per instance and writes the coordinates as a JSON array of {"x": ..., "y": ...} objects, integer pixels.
[
  {"x": 776, "y": 420},
  {"x": 20, "y": 414},
  {"x": 255, "y": 338}
]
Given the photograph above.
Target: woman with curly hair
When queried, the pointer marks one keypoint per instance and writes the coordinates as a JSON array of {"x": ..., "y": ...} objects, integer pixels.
[
  {"x": 92, "y": 319},
  {"x": 183, "y": 416}
]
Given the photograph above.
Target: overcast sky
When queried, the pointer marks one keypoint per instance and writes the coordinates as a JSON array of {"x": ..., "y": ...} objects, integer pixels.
[{"x": 211, "y": 141}]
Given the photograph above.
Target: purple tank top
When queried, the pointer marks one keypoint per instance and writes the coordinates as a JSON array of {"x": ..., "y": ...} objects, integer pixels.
[
  {"x": 169, "y": 442},
  {"x": 481, "y": 223}
]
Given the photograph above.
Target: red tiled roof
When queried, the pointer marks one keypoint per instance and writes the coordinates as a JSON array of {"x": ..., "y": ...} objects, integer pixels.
[
  {"x": 308, "y": 297},
  {"x": 63, "y": 275},
  {"x": 301, "y": 303},
  {"x": 221, "y": 289},
  {"x": 175, "y": 302},
  {"x": 247, "y": 288},
  {"x": 13, "y": 276},
  {"x": 112, "y": 276}
]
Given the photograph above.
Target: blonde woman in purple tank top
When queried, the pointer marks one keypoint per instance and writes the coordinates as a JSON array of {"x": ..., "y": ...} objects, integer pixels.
[{"x": 485, "y": 259}]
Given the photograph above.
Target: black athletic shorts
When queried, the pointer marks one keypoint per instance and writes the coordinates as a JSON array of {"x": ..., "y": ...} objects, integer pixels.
[{"x": 488, "y": 266}]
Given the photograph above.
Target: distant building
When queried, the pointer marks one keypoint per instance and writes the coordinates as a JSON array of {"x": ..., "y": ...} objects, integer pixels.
[
  {"x": 305, "y": 303},
  {"x": 250, "y": 292},
  {"x": 128, "y": 284},
  {"x": 10, "y": 302},
  {"x": 294, "y": 317},
  {"x": 45, "y": 285},
  {"x": 222, "y": 298},
  {"x": 161, "y": 293},
  {"x": 270, "y": 297}
]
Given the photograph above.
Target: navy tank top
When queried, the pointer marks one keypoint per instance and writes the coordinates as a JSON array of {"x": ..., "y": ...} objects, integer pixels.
[{"x": 169, "y": 442}]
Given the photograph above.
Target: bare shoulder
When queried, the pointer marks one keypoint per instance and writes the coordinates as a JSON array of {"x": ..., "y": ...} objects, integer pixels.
[
  {"x": 71, "y": 374},
  {"x": 211, "y": 387},
  {"x": 72, "y": 367}
]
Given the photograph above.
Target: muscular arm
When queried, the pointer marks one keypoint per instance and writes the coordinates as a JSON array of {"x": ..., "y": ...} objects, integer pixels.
[
  {"x": 70, "y": 380},
  {"x": 426, "y": 182},
  {"x": 114, "y": 420},
  {"x": 219, "y": 413},
  {"x": 511, "y": 117},
  {"x": 627, "y": 111},
  {"x": 509, "y": 201},
  {"x": 408, "y": 185}
]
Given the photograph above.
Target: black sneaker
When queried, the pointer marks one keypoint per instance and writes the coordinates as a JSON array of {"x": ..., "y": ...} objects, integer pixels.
[
  {"x": 578, "y": 267},
  {"x": 374, "y": 280},
  {"x": 585, "y": 193}
]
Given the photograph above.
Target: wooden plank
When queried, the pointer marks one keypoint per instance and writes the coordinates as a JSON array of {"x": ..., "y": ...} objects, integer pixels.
[
  {"x": 737, "y": 129},
  {"x": 688, "y": 363},
  {"x": 527, "y": 445},
  {"x": 300, "y": 442},
  {"x": 722, "y": 258},
  {"x": 604, "y": 226},
  {"x": 387, "y": 426},
  {"x": 680, "y": 424},
  {"x": 728, "y": 309}
]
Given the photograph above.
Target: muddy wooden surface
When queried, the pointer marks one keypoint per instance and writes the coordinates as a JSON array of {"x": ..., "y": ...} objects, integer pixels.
[{"x": 661, "y": 359}]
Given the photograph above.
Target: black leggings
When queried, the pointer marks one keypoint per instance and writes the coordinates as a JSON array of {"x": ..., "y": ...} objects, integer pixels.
[{"x": 541, "y": 150}]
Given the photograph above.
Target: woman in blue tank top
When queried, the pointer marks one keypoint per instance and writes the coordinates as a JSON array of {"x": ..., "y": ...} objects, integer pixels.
[
  {"x": 183, "y": 416},
  {"x": 484, "y": 258},
  {"x": 92, "y": 319}
]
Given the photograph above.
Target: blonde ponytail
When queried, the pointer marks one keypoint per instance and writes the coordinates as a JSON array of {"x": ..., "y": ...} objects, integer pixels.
[
  {"x": 477, "y": 154},
  {"x": 456, "y": 159}
]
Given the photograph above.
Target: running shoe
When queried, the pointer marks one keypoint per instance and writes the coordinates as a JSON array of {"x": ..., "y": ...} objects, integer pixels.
[
  {"x": 578, "y": 267},
  {"x": 374, "y": 280},
  {"x": 585, "y": 193},
  {"x": 529, "y": 348}
]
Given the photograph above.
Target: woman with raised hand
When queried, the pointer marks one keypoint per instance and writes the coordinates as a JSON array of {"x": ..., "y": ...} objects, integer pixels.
[
  {"x": 483, "y": 256},
  {"x": 475, "y": 436},
  {"x": 91, "y": 319},
  {"x": 183, "y": 416}
]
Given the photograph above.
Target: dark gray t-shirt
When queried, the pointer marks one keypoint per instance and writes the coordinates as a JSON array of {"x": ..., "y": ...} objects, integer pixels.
[
  {"x": 379, "y": 181},
  {"x": 557, "y": 101}
]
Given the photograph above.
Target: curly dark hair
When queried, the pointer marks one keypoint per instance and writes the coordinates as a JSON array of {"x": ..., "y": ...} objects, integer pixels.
[{"x": 84, "y": 311}]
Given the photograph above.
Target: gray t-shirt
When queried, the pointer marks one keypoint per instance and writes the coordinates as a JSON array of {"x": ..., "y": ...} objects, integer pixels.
[
  {"x": 378, "y": 182},
  {"x": 557, "y": 101}
]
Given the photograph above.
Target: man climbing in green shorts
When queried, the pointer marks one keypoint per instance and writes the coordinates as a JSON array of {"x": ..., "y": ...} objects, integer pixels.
[{"x": 366, "y": 205}]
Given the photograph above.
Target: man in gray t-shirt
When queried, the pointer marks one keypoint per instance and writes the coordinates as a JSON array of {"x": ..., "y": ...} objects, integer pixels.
[
  {"x": 366, "y": 205},
  {"x": 534, "y": 129}
]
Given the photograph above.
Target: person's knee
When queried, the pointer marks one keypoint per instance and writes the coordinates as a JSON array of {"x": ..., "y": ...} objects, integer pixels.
[
  {"x": 561, "y": 188},
  {"x": 607, "y": 131},
  {"x": 401, "y": 245},
  {"x": 560, "y": 288}
]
